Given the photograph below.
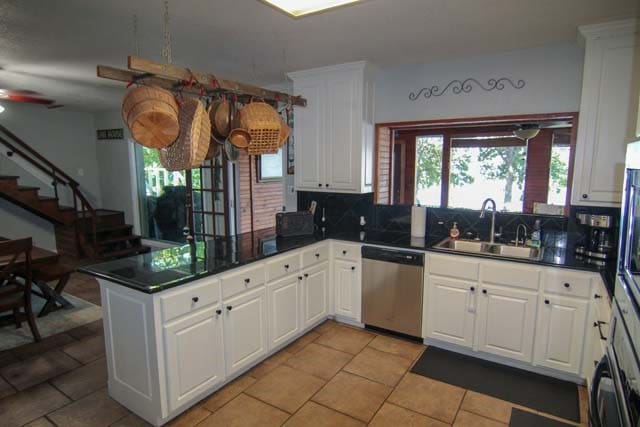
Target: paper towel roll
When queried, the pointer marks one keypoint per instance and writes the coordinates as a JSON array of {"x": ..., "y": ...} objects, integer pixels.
[{"x": 418, "y": 221}]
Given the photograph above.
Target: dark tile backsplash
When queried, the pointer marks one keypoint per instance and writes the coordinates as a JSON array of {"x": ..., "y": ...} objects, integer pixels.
[{"x": 342, "y": 211}]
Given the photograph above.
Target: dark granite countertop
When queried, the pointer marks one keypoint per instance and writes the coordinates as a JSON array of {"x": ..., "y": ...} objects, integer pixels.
[{"x": 164, "y": 269}]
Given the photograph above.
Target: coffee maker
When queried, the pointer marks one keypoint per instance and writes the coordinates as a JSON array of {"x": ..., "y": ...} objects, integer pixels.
[{"x": 599, "y": 245}]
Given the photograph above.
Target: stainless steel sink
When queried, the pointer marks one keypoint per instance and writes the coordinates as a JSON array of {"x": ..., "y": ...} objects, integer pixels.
[{"x": 491, "y": 249}]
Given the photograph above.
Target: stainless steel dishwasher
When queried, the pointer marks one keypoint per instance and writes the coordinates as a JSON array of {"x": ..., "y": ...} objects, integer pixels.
[{"x": 392, "y": 287}]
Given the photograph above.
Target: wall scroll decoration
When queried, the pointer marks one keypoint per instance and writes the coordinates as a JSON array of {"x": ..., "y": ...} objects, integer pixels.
[{"x": 465, "y": 86}]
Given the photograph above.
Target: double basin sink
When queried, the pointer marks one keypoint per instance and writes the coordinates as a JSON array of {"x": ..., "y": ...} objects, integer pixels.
[{"x": 491, "y": 249}]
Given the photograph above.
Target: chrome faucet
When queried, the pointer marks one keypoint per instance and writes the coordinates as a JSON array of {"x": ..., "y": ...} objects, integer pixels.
[
  {"x": 493, "y": 217},
  {"x": 524, "y": 235}
]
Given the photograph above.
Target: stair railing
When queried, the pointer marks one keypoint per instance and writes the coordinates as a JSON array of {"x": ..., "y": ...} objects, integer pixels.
[{"x": 81, "y": 206}]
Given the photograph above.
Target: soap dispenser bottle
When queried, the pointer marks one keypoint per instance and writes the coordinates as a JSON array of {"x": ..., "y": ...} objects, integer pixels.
[{"x": 454, "y": 233}]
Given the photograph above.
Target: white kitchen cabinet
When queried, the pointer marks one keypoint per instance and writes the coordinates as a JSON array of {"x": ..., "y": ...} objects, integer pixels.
[
  {"x": 607, "y": 113},
  {"x": 315, "y": 294},
  {"x": 245, "y": 329},
  {"x": 598, "y": 327},
  {"x": 334, "y": 132},
  {"x": 506, "y": 322},
  {"x": 561, "y": 332},
  {"x": 347, "y": 289},
  {"x": 451, "y": 307},
  {"x": 284, "y": 310},
  {"x": 194, "y": 361}
]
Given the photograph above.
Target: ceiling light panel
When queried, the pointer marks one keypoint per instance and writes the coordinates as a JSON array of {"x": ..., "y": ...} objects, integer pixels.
[{"x": 298, "y": 8}]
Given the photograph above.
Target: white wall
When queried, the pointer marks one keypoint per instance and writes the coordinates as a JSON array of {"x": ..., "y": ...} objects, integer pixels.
[
  {"x": 552, "y": 75},
  {"x": 67, "y": 139}
]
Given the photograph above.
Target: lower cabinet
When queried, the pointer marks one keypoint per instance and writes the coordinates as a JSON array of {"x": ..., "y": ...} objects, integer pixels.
[
  {"x": 315, "y": 294},
  {"x": 194, "y": 360},
  {"x": 451, "y": 307},
  {"x": 561, "y": 333},
  {"x": 284, "y": 310},
  {"x": 245, "y": 329},
  {"x": 506, "y": 322},
  {"x": 348, "y": 290}
]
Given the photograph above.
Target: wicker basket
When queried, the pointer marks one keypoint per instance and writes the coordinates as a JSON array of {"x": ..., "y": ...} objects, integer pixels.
[
  {"x": 151, "y": 114},
  {"x": 263, "y": 124},
  {"x": 192, "y": 145}
]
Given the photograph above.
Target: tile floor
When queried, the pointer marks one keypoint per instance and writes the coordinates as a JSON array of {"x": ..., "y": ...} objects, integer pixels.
[{"x": 334, "y": 375}]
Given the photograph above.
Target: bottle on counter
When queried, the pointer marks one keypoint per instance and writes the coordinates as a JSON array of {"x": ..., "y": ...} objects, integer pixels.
[
  {"x": 536, "y": 235},
  {"x": 454, "y": 233}
]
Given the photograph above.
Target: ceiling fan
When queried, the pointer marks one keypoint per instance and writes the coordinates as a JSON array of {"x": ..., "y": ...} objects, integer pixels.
[{"x": 28, "y": 97}]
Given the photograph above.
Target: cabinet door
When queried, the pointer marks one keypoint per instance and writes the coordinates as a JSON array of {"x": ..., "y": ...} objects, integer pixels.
[
  {"x": 309, "y": 133},
  {"x": 245, "y": 329},
  {"x": 195, "y": 355},
  {"x": 560, "y": 333},
  {"x": 344, "y": 122},
  {"x": 284, "y": 310},
  {"x": 315, "y": 294},
  {"x": 506, "y": 322},
  {"x": 604, "y": 121},
  {"x": 346, "y": 281},
  {"x": 451, "y": 306}
]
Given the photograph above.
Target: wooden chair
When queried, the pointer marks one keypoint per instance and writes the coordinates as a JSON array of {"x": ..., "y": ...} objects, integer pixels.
[{"x": 15, "y": 255}]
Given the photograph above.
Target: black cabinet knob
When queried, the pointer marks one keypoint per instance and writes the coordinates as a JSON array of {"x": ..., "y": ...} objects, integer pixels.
[
  {"x": 286, "y": 266},
  {"x": 484, "y": 291},
  {"x": 319, "y": 185},
  {"x": 218, "y": 312},
  {"x": 344, "y": 252},
  {"x": 595, "y": 324},
  {"x": 472, "y": 289},
  {"x": 195, "y": 299},
  {"x": 585, "y": 196},
  {"x": 597, "y": 296},
  {"x": 567, "y": 285},
  {"x": 247, "y": 281},
  {"x": 547, "y": 302},
  {"x": 229, "y": 307},
  {"x": 326, "y": 185},
  {"x": 317, "y": 255},
  {"x": 306, "y": 274},
  {"x": 353, "y": 268},
  {"x": 299, "y": 277}
]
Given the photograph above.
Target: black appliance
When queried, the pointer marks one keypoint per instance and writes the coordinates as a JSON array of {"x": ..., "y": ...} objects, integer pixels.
[{"x": 599, "y": 245}]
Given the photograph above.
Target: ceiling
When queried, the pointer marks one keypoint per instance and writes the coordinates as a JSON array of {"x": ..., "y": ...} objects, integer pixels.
[{"x": 53, "y": 46}]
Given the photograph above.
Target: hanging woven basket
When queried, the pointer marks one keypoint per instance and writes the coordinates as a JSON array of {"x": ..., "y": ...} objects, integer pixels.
[
  {"x": 192, "y": 145},
  {"x": 263, "y": 123},
  {"x": 151, "y": 114}
]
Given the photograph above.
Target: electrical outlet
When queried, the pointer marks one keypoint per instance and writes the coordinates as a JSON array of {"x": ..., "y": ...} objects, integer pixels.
[
  {"x": 80, "y": 172},
  {"x": 291, "y": 189}
]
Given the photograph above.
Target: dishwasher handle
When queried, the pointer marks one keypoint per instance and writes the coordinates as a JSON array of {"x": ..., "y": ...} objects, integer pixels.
[{"x": 394, "y": 256}]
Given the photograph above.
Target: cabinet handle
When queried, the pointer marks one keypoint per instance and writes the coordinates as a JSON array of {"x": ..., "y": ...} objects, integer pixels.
[
  {"x": 484, "y": 291},
  {"x": 344, "y": 252},
  {"x": 229, "y": 307},
  {"x": 218, "y": 312},
  {"x": 585, "y": 196},
  {"x": 247, "y": 281},
  {"x": 595, "y": 363},
  {"x": 299, "y": 277},
  {"x": 353, "y": 268},
  {"x": 286, "y": 266},
  {"x": 319, "y": 185},
  {"x": 597, "y": 296},
  {"x": 317, "y": 255},
  {"x": 472, "y": 289},
  {"x": 567, "y": 285},
  {"x": 598, "y": 325},
  {"x": 547, "y": 302},
  {"x": 306, "y": 274},
  {"x": 326, "y": 185},
  {"x": 195, "y": 299}
]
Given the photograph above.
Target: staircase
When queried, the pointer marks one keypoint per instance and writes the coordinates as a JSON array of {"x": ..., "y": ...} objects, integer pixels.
[{"x": 81, "y": 231}]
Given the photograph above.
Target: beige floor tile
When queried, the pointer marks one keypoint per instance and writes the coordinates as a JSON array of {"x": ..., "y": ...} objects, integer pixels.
[
  {"x": 88, "y": 350},
  {"x": 353, "y": 395},
  {"x": 245, "y": 411},
  {"x": 428, "y": 397},
  {"x": 286, "y": 388},
  {"x": 344, "y": 338},
  {"x": 228, "y": 393},
  {"x": 5, "y": 388},
  {"x": 40, "y": 422},
  {"x": 314, "y": 415},
  {"x": 131, "y": 420},
  {"x": 487, "y": 406},
  {"x": 37, "y": 348},
  {"x": 270, "y": 364},
  {"x": 83, "y": 380},
  {"x": 399, "y": 347},
  {"x": 94, "y": 410},
  {"x": 36, "y": 370},
  {"x": 325, "y": 327},
  {"x": 318, "y": 360},
  {"x": 190, "y": 418},
  {"x": 379, "y": 366},
  {"x": 467, "y": 419},
  {"x": 391, "y": 415},
  {"x": 26, "y": 406},
  {"x": 302, "y": 342}
]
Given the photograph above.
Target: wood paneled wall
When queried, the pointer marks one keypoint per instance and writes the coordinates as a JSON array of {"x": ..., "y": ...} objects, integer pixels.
[
  {"x": 384, "y": 145},
  {"x": 268, "y": 197},
  {"x": 537, "y": 174}
]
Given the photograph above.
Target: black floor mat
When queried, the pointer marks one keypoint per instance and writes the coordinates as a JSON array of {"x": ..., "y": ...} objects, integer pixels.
[
  {"x": 544, "y": 394},
  {"x": 520, "y": 418}
]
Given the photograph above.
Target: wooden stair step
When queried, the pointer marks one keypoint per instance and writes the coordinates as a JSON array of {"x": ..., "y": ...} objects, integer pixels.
[
  {"x": 27, "y": 188},
  {"x": 119, "y": 240},
  {"x": 121, "y": 253}
]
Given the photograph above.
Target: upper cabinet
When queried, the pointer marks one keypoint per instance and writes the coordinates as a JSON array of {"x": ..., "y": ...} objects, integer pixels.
[
  {"x": 608, "y": 113},
  {"x": 334, "y": 138}
]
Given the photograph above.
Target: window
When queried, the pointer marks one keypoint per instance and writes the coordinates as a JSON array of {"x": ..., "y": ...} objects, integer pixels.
[
  {"x": 270, "y": 167},
  {"x": 559, "y": 168},
  {"x": 428, "y": 167}
]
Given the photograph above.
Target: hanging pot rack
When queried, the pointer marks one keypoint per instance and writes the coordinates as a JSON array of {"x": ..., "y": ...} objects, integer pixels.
[{"x": 171, "y": 77}]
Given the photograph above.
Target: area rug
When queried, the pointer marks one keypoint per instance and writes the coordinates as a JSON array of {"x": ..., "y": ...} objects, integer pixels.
[
  {"x": 539, "y": 392},
  {"x": 83, "y": 312},
  {"x": 520, "y": 418}
]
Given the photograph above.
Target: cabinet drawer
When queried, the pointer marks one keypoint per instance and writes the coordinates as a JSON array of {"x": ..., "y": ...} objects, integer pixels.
[
  {"x": 346, "y": 251},
  {"x": 189, "y": 299},
  {"x": 283, "y": 266},
  {"x": 510, "y": 274},
  {"x": 567, "y": 283},
  {"x": 315, "y": 256},
  {"x": 240, "y": 281},
  {"x": 454, "y": 266}
]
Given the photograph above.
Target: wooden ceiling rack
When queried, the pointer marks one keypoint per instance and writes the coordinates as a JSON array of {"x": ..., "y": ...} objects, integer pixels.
[{"x": 170, "y": 77}]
